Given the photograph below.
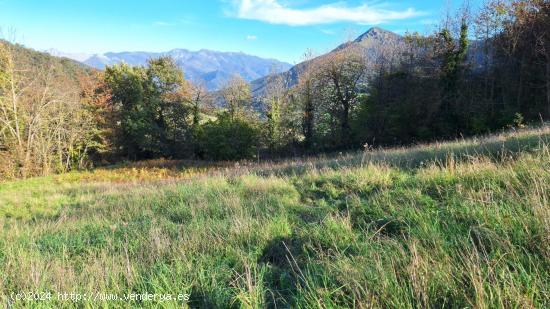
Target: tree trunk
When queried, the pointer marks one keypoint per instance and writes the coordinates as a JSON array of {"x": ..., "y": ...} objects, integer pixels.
[
  {"x": 308, "y": 120},
  {"x": 548, "y": 84},
  {"x": 519, "y": 105},
  {"x": 345, "y": 124}
]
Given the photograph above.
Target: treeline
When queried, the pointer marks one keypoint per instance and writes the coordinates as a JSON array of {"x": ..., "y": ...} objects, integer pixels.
[{"x": 474, "y": 74}]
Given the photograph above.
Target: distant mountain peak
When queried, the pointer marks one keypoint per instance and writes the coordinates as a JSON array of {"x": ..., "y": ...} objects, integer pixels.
[
  {"x": 376, "y": 33},
  {"x": 372, "y": 44},
  {"x": 80, "y": 57},
  {"x": 377, "y": 30}
]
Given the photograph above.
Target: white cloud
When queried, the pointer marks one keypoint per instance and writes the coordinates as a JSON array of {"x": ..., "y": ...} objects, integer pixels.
[
  {"x": 162, "y": 24},
  {"x": 273, "y": 12},
  {"x": 328, "y": 31},
  {"x": 251, "y": 37}
]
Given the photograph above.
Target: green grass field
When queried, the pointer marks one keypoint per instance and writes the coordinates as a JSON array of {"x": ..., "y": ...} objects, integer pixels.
[{"x": 463, "y": 224}]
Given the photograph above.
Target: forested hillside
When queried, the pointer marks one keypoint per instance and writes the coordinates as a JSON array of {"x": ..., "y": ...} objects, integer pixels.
[
  {"x": 28, "y": 57},
  {"x": 45, "y": 126},
  {"x": 474, "y": 74}
]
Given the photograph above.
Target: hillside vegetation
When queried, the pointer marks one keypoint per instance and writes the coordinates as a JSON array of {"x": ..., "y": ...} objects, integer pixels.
[
  {"x": 70, "y": 68},
  {"x": 476, "y": 73},
  {"x": 458, "y": 224}
]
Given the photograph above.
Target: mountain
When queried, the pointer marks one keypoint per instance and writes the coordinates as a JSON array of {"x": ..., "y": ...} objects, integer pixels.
[
  {"x": 211, "y": 67},
  {"x": 60, "y": 65},
  {"x": 375, "y": 44},
  {"x": 80, "y": 57}
]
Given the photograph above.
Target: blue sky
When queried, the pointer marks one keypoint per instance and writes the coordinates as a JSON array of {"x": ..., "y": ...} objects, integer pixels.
[{"x": 280, "y": 29}]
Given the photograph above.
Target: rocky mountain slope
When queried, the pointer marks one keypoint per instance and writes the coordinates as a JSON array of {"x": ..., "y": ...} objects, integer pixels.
[{"x": 376, "y": 43}]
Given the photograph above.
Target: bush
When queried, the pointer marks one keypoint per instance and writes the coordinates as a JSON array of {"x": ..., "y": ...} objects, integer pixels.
[{"x": 229, "y": 138}]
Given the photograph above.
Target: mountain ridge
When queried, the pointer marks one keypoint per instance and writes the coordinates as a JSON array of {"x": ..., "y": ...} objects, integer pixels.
[
  {"x": 371, "y": 43},
  {"x": 212, "y": 68}
]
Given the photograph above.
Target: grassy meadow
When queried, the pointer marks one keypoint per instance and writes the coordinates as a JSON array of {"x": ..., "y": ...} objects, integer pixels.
[{"x": 462, "y": 224}]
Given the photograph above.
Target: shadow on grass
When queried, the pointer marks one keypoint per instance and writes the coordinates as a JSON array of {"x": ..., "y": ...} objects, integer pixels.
[{"x": 285, "y": 257}]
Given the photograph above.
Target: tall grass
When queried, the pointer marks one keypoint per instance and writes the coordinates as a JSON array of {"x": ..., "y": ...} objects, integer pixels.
[{"x": 462, "y": 224}]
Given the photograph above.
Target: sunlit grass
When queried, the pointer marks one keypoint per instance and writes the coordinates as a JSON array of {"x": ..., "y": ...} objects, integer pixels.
[{"x": 458, "y": 224}]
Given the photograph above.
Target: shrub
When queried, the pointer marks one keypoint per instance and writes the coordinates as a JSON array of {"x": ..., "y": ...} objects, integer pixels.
[{"x": 229, "y": 138}]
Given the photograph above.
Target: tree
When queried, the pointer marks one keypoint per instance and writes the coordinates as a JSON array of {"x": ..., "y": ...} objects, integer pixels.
[
  {"x": 154, "y": 104},
  {"x": 341, "y": 74},
  {"x": 44, "y": 127},
  {"x": 488, "y": 24},
  {"x": 274, "y": 100},
  {"x": 237, "y": 97},
  {"x": 229, "y": 138},
  {"x": 305, "y": 92},
  {"x": 127, "y": 85},
  {"x": 531, "y": 28},
  {"x": 517, "y": 40},
  {"x": 95, "y": 97},
  {"x": 454, "y": 55},
  {"x": 199, "y": 97},
  {"x": 170, "y": 97}
]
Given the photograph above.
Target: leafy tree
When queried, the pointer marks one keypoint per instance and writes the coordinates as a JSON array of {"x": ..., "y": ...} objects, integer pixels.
[
  {"x": 340, "y": 76},
  {"x": 199, "y": 99},
  {"x": 127, "y": 85},
  {"x": 95, "y": 97},
  {"x": 170, "y": 97},
  {"x": 237, "y": 97},
  {"x": 229, "y": 138},
  {"x": 274, "y": 100},
  {"x": 452, "y": 68},
  {"x": 154, "y": 103},
  {"x": 304, "y": 96}
]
